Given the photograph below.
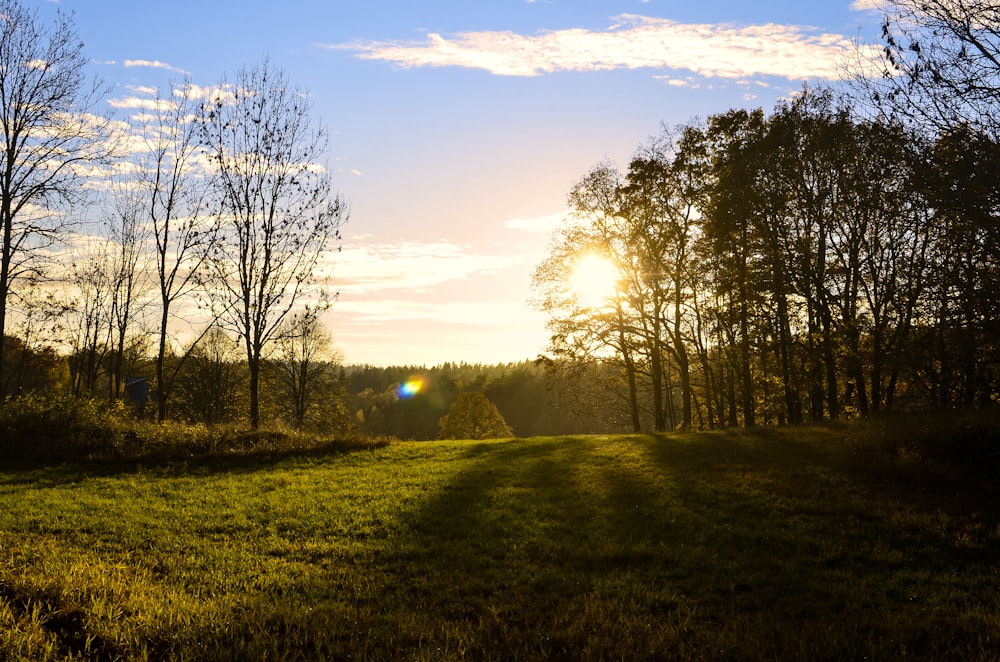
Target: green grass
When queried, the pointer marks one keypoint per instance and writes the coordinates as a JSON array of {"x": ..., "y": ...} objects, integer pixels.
[{"x": 763, "y": 545}]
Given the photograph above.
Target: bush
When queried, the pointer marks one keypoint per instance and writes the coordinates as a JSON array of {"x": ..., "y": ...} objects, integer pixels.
[
  {"x": 60, "y": 428},
  {"x": 923, "y": 446},
  {"x": 45, "y": 428}
]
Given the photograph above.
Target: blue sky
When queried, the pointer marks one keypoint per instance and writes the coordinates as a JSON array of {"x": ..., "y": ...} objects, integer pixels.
[{"x": 458, "y": 128}]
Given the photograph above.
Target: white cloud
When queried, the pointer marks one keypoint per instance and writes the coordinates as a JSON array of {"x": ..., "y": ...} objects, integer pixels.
[
  {"x": 155, "y": 64},
  {"x": 141, "y": 103},
  {"x": 633, "y": 42},
  {"x": 411, "y": 266},
  {"x": 867, "y": 5}
]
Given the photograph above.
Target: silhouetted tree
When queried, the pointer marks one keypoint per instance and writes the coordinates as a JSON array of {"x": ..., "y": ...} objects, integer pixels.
[
  {"x": 279, "y": 211},
  {"x": 46, "y": 132},
  {"x": 167, "y": 185},
  {"x": 127, "y": 232},
  {"x": 305, "y": 367},
  {"x": 209, "y": 380}
]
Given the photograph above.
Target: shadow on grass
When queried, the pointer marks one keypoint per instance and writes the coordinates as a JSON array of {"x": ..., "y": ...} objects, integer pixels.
[
  {"x": 172, "y": 462},
  {"x": 688, "y": 546}
]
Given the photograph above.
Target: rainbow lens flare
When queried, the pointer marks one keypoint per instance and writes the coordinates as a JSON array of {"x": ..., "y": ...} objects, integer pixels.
[{"x": 410, "y": 387}]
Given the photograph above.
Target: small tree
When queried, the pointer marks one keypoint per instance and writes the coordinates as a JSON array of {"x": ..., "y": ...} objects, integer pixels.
[
  {"x": 305, "y": 371},
  {"x": 473, "y": 416},
  {"x": 206, "y": 388}
]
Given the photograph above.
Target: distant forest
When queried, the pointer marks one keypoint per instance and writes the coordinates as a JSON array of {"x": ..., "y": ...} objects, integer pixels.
[{"x": 210, "y": 386}]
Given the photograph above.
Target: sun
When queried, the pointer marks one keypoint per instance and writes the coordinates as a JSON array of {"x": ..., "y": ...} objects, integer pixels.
[{"x": 594, "y": 280}]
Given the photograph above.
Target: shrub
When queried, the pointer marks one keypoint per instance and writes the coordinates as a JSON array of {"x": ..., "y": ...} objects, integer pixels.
[
  {"x": 46, "y": 428},
  {"x": 58, "y": 427},
  {"x": 923, "y": 446}
]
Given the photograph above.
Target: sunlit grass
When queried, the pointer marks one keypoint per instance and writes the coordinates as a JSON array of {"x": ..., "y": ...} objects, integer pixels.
[{"x": 765, "y": 545}]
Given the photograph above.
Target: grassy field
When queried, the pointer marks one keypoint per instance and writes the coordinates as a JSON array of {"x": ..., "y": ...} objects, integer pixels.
[{"x": 764, "y": 545}]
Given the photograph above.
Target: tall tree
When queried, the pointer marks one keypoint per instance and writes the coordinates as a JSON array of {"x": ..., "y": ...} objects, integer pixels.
[
  {"x": 126, "y": 235},
  {"x": 729, "y": 204},
  {"x": 961, "y": 188},
  {"x": 812, "y": 137},
  {"x": 279, "y": 211},
  {"x": 658, "y": 201},
  {"x": 585, "y": 331},
  {"x": 48, "y": 133},
  {"x": 168, "y": 186}
]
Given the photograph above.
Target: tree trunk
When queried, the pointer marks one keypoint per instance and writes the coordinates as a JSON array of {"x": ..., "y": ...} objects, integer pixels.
[
  {"x": 656, "y": 368},
  {"x": 5, "y": 259},
  {"x": 254, "y": 365},
  {"x": 161, "y": 386},
  {"x": 746, "y": 376}
]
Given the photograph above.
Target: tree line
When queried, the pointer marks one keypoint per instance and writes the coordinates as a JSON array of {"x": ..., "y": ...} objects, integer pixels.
[
  {"x": 835, "y": 257},
  {"x": 306, "y": 386},
  {"x": 526, "y": 394},
  {"x": 213, "y": 207}
]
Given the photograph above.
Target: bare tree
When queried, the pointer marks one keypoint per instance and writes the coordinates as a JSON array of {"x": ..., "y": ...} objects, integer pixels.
[
  {"x": 941, "y": 63},
  {"x": 168, "y": 187},
  {"x": 305, "y": 363},
  {"x": 126, "y": 235},
  {"x": 279, "y": 210},
  {"x": 88, "y": 311},
  {"x": 48, "y": 133}
]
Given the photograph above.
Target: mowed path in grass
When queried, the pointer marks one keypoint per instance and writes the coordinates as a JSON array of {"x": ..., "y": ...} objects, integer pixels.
[{"x": 765, "y": 545}]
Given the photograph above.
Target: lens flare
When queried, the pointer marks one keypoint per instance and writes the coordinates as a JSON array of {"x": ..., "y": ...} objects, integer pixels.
[{"x": 410, "y": 387}]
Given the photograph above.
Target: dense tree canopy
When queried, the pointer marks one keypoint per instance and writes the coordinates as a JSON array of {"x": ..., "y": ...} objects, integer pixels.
[{"x": 815, "y": 264}]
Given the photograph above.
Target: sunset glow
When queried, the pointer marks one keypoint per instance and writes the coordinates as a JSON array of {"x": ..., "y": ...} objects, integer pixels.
[{"x": 456, "y": 136}]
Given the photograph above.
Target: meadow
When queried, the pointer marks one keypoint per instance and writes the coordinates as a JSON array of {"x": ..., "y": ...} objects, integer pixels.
[{"x": 805, "y": 543}]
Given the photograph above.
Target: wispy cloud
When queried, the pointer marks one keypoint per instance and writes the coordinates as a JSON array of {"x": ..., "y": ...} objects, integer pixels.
[
  {"x": 632, "y": 42},
  {"x": 469, "y": 313},
  {"x": 412, "y": 266},
  {"x": 154, "y": 64},
  {"x": 867, "y": 5}
]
